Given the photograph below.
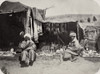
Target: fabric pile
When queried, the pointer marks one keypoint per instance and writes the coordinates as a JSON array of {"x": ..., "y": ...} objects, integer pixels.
[{"x": 10, "y": 53}]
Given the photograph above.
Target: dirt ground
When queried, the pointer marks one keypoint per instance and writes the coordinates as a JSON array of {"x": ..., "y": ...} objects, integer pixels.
[{"x": 52, "y": 66}]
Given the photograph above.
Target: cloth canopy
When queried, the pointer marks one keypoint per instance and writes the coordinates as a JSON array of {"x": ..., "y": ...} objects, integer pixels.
[
  {"x": 84, "y": 25},
  {"x": 16, "y": 17},
  {"x": 9, "y": 7}
]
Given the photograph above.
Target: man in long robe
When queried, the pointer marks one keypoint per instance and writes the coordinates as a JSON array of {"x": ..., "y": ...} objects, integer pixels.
[{"x": 28, "y": 53}]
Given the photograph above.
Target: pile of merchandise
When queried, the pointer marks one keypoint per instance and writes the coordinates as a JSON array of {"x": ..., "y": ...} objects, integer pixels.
[
  {"x": 90, "y": 53},
  {"x": 10, "y": 53}
]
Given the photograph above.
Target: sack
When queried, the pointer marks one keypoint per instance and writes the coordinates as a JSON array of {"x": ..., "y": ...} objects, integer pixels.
[{"x": 66, "y": 55}]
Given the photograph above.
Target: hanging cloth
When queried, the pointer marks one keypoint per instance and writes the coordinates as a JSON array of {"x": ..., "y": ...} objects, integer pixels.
[
  {"x": 31, "y": 27},
  {"x": 35, "y": 31}
]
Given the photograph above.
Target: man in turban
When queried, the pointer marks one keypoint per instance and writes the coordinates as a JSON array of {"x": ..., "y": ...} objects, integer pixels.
[
  {"x": 74, "y": 47},
  {"x": 28, "y": 53}
]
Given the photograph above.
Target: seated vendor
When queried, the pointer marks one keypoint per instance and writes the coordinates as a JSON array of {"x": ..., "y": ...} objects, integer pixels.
[
  {"x": 74, "y": 48},
  {"x": 28, "y": 53}
]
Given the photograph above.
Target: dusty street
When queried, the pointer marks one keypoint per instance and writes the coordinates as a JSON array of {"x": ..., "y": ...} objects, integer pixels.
[{"x": 52, "y": 66}]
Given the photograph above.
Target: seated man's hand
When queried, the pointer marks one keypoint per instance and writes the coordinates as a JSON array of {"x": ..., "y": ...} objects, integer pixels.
[{"x": 69, "y": 48}]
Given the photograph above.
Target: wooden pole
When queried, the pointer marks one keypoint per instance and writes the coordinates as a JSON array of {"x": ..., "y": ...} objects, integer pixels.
[
  {"x": 78, "y": 30},
  {"x": 27, "y": 21}
]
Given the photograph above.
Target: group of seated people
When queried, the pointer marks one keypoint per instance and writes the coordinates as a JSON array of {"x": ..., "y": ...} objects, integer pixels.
[{"x": 28, "y": 49}]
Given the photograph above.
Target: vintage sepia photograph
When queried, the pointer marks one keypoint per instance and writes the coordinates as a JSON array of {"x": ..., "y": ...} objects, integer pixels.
[{"x": 49, "y": 36}]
